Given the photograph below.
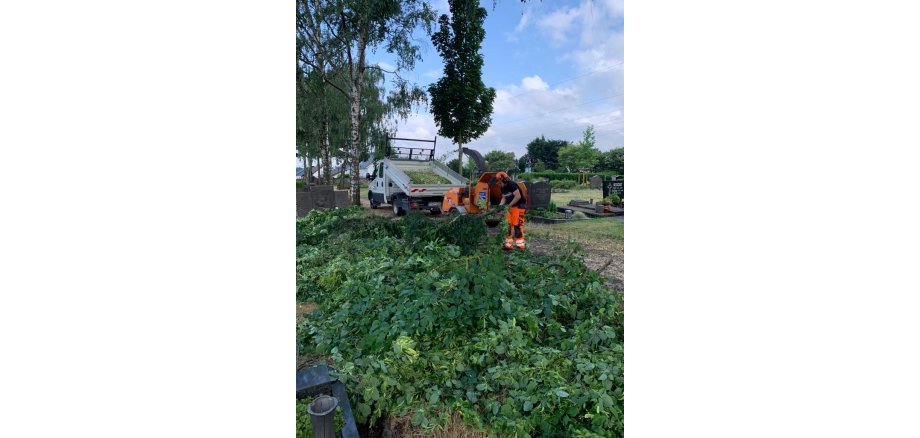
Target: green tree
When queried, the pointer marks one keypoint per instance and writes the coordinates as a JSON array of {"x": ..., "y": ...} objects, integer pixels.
[
  {"x": 363, "y": 24},
  {"x": 524, "y": 162},
  {"x": 306, "y": 149},
  {"x": 581, "y": 156},
  {"x": 546, "y": 151},
  {"x": 611, "y": 160},
  {"x": 499, "y": 161},
  {"x": 539, "y": 166},
  {"x": 460, "y": 102},
  {"x": 338, "y": 34},
  {"x": 316, "y": 53},
  {"x": 469, "y": 168}
]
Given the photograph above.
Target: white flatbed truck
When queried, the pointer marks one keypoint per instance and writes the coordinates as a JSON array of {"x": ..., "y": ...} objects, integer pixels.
[{"x": 390, "y": 184}]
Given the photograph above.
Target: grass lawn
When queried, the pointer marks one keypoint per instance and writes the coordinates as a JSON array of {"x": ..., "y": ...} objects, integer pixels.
[
  {"x": 605, "y": 233},
  {"x": 563, "y": 198}
]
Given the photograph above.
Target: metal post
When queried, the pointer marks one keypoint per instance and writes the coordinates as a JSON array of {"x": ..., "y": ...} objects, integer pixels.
[{"x": 322, "y": 415}]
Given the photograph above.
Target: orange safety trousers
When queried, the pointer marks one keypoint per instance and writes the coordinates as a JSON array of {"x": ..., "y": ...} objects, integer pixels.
[{"x": 515, "y": 237}]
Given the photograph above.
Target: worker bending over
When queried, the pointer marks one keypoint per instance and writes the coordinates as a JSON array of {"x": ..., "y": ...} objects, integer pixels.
[{"x": 513, "y": 198}]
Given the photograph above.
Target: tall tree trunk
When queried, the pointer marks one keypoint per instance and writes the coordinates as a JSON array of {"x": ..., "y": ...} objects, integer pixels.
[
  {"x": 324, "y": 148},
  {"x": 357, "y": 82},
  {"x": 324, "y": 112},
  {"x": 307, "y": 169},
  {"x": 460, "y": 159}
]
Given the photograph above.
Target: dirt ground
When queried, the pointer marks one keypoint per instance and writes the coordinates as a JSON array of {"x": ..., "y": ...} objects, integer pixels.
[
  {"x": 303, "y": 309},
  {"x": 605, "y": 258},
  {"x": 383, "y": 210},
  {"x": 602, "y": 260}
]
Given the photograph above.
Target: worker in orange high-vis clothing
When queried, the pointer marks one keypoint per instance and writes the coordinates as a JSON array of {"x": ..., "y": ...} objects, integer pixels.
[{"x": 513, "y": 199}]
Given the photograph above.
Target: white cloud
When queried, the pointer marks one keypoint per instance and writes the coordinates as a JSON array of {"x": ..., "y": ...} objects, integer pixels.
[
  {"x": 534, "y": 83},
  {"x": 419, "y": 125},
  {"x": 558, "y": 24},
  {"x": 525, "y": 20},
  {"x": 604, "y": 55},
  {"x": 386, "y": 66},
  {"x": 559, "y": 108},
  {"x": 614, "y": 7},
  {"x": 592, "y": 18}
]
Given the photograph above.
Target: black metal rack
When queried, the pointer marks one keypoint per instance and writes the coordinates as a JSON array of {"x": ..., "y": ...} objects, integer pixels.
[{"x": 411, "y": 153}]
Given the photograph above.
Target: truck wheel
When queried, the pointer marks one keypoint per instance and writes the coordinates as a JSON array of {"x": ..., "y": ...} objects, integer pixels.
[
  {"x": 370, "y": 198},
  {"x": 397, "y": 210}
]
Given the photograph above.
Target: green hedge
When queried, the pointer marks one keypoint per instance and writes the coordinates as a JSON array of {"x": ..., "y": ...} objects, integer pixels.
[{"x": 559, "y": 176}]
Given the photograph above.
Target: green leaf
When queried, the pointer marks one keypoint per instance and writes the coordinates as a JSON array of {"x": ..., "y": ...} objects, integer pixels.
[
  {"x": 528, "y": 405},
  {"x": 561, "y": 393}
]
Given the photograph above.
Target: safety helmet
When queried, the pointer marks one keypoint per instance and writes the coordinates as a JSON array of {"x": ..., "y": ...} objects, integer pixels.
[{"x": 502, "y": 176}]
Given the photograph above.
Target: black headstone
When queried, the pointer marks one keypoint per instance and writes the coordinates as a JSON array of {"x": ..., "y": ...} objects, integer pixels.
[
  {"x": 323, "y": 198},
  {"x": 539, "y": 193},
  {"x": 304, "y": 203},
  {"x": 341, "y": 199},
  {"x": 614, "y": 186}
]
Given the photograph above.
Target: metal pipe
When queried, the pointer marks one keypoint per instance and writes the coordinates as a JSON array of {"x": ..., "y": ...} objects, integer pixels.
[{"x": 322, "y": 416}]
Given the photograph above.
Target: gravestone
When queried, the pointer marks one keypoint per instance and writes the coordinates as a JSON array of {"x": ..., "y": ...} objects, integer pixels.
[
  {"x": 323, "y": 198},
  {"x": 596, "y": 181},
  {"x": 320, "y": 197},
  {"x": 539, "y": 193},
  {"x": 341, "y": 199},
  {"x": 304, "y": 203},
  {"x": 614, "y": 186}
]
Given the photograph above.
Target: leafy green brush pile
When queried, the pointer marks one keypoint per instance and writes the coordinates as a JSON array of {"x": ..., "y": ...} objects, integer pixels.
[
  {"x": 426, "y": 177},
  {"x": 426, "y": 317}
]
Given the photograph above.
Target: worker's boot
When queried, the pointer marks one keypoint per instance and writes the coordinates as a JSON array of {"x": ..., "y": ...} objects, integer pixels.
[
  {"x": 509, "y": 244},
  {"x": 519, "y": 243}
]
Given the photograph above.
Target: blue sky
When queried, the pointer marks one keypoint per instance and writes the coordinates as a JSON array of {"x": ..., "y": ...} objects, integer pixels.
[{"x": 557, "y": 66}]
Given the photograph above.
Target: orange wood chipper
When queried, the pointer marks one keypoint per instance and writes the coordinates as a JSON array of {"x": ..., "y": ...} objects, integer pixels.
[{"x": 479, "y": 197}]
